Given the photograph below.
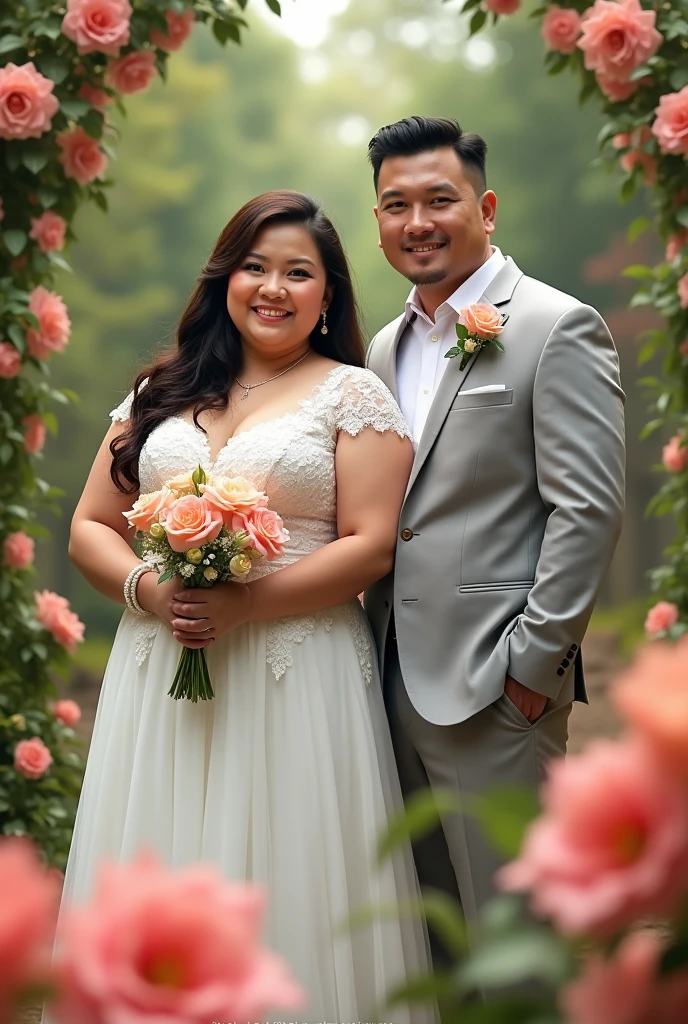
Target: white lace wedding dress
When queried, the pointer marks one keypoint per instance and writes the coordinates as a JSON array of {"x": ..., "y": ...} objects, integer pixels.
[{"x": 287, "y": 777}]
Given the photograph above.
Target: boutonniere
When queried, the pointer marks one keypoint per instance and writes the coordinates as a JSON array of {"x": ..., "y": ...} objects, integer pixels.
[{"x": 478, "y": 326}]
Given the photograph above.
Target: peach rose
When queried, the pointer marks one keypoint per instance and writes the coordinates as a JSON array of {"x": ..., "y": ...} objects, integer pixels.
[
  {"x": 18, "y": 550},
  {"x": 178, "y": 31},
  {"x": 503, "y": 6},
  {"x": 49, "y": 231},
  {"x": 32, "y": 758},
  {"x": 180, "y": 946},
  {"x": 661, "y": 617},
  {"x": 96, "y": 97},
  {"x": 617, "y": 37},
  {"x": 652, "y": 697},
  {"x": 637, "y": 158},
  {"x": 53, "y": 324},
  {"x": 34, "y": 434},
  {"x": 67, "y": 711},
  {"x": 676, "y": 243},
  {"x": 481, "y": 319},
  {"x": 683, "y": 291},
  {"x": 10, "y": 360},
  {"x": 232, "y": 495},
  {"x": 615, "y": 90},
  {"x": 181, "y": 484},
  {"x": 611, "y": 845},
  {"x": 131, "y": 73},
  {"x": 675, "y": 454},
  {"x": 190, "y": 522},
  {"x": 671, "y": 123},
  {"x": 27, "y": 104},
  {"x": 54, "y": 614},
  {"x": 148, "y": 508},
  {"x": 97, "y": 26},
  {"x": 81, "y": 156},
  {"x": 265, "y": 529},
  {"x": 561, "y": 27}
]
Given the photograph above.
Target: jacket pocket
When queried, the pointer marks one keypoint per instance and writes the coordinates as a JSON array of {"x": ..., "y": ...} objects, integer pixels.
[
  {"x": 478, "y": 588},
  {"x": 483, "y": 400}
]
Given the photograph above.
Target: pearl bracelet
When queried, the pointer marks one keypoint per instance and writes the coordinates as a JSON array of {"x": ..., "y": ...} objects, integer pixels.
[{"x": 130, "y": 585}]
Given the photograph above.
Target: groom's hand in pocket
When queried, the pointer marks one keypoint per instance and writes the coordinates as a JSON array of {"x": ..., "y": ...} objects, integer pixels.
[{"x": 530, "y": 703}]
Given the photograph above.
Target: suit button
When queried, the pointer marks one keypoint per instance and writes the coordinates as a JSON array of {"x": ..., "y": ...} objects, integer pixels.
[
  {"x": 407, "y": 534},
  {"x": 574, "y": 647},
  {"x": 560, "y": 671},
  {"x": 565, "y": 662}
]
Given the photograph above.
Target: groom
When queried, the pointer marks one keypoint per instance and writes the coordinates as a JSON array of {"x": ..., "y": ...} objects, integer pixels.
[{"x": 514, "y": 504}]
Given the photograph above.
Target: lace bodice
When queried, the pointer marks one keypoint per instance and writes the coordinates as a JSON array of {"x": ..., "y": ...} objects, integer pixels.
[{"x": 292, "y": 459}]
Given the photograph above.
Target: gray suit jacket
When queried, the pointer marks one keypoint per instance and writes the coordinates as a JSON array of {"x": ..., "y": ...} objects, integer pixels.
[{"x": 513, "y": 508}]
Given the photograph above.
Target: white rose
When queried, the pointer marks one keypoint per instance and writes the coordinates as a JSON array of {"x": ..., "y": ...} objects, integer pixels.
[{"x": 470, "y": 345}]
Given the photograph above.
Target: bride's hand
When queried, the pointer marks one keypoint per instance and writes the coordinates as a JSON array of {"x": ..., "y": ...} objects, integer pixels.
[
  {"x": 157, "y": 597},
  {"x": 202, "y": 615}
]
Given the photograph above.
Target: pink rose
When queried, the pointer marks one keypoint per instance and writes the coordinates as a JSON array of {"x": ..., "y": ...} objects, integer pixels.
[
  {"x": 675, "y": 454},
  {"x": 190, "y": 522},
  {"x": 81, "y": 156},
  {"x": 622, "y": 140},
  {"x": 148, "y": 508},
  {"x": 561, "y": 27},
  {"x": 54, "y": 614},
  {"x": 265, "y": 529},
  {"x": 10, "y": 360},
  {"x": 612, "y": 844},
  {"x": 96, "y": 97},
  {"x": 503, "y": 6},
  {"x": 676, "y": 243},
  {"x": 661, "y": 617},
  {"x": 53, "y": 324},
  {"x": 481, "y": 319},
  {"x": 637, "y": 158},
  {"x": 132, "y": 73},
  {"x": 34, "y": 434},
  {"x": 67, "y": 711},
  {"x": 97, "y": 26},
  {"x": 671, "y": 124},
  {"x": 49, "y": 231},
  {"x": 180, "y": 947},
  {"x": 617, "y": 37},
  {"x": 618, "y": 990},
  {"x": 29, "y": 898},
  {"x": 234, "y": 494},
  {"x": 652, "y": 697},
  {"x": 683, "y": 348},
  {"x": 178, "y": 31},
  {"x": 18, "y": 550},
  {"x": 615, "y": 90},
  {"x": 683, "y": 291},
  {"x": 32, "y": 758},
  {"x": 27, "y": 104}
]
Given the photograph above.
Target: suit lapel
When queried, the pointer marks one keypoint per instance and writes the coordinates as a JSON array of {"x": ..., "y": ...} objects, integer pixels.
[
  {"x": 384, "y": 355},
  {"x": 498, "y": 293}
]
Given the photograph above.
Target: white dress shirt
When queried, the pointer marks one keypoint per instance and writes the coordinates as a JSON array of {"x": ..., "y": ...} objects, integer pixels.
[{"x": 421, "y": 352}]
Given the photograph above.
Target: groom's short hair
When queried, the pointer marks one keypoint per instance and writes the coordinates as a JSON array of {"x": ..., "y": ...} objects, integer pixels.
[{"x": 420, "y": 135}]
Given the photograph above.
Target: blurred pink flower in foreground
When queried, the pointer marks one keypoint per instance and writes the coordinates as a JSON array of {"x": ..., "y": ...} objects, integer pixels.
[
  {"x": 28, "y": 906},
  {"x": 671, "y": 123},
  {"x": 178, "y": 31},
  {"x": 158, "y": 945},
  {"x": 67, "y": 711},
  {"x": 54, "y": 614},
  {"x": 675, "y": 244},
  {"x": 49, "y": 231},
  {"x": 612, "y": 843},
  {"x": 503, "y": 6},
  {"x": 131, "y": 73},
  {"x": 10, "y": 360},
  {"x": 54, "y": 325},
  {"x": 82, "y": 158},
  {"x": 18, "y": 550},
  {"x": 561, "y": 27},
  {"x": 32, "y": 759},
  {"x": 661, "y": 617},
  {"x": 675, "y": 454},
  {"x": 34, "y": 433}
]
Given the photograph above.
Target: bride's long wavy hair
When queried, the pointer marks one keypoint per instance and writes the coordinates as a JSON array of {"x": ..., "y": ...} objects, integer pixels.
[{"x": 199, "y": 371}]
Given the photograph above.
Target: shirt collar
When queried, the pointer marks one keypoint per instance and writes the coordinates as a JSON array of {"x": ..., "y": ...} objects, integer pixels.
[{"x": 466, "y": 294}]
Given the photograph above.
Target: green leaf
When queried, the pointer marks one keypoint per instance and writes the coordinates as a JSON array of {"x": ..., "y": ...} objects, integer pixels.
[
  {"x": 93, "y": 123},
  {"x": 682, "y": 216},
  {"x": 15, "y": 241},
  {"x": 224, "y": 30},
  {"x": 638, "y": 270},
  {"x": 275, "y": 7},
  {"x": 527, "y": 953},
  {"x": 54, "y": 68},
  {"x": 559, "y": 64},
  {"x": 445, "y": 917},
  {"x": 13, "y": 156},
  {"x": 101, "y": 202},
  {"x": 46, "y": 197},
  {"x": 640, "y": 72},
  {"x": 16, "y": 336},
  {"x": 167, "y": 575},
  {"x": 11, "y": 42},
  {"x": 504, "y": 814},
  {"x": 628, "y": 189},
  {"x": 679, "y": 78},
  {"x": 423, "y": 813},
  {"x": 6, "y": 452},
  {"x": 59, "y": 261},
  {"x": 50, "y": 28},
  {"x": 461, "y": 332},
  {"x": 650, "y": 428},
  {"x": 638, "y": 227},
  {"x": 477, "y": 21},
  {"x": 74, "y": 109},
  {"x": 453, "y": 352},
  {"x": 34, "y": 158}
]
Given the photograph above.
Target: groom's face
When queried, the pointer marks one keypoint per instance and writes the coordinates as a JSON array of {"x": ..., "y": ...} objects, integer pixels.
[{"x": 435, "y": 222}]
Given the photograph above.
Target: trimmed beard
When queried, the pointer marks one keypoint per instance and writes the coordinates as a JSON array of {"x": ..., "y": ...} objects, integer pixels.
[{"x": 422, "y": 277}]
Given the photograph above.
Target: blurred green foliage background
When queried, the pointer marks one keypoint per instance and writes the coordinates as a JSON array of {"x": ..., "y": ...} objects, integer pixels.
[{"x": 275, "y": 114}]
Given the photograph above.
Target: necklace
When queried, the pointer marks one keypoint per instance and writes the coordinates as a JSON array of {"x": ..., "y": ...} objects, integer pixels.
[{"x": 248, "y": 388}]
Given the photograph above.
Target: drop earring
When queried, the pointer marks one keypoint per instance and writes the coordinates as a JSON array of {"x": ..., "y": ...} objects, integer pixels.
[{"x": 323, "y": 329}]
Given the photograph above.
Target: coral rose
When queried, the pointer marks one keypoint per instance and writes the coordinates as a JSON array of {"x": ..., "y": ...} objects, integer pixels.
[
  {"x": 181, "y": 484},
  {"x": 53, "y": 324},
  {"x": 29, "y": 907},
  {"x": 682, "y": 289},
  {"x": 614, "y": 90},
  {"x": 617, "y": 37},
  {"x": 675, "y": 454},
  {"x": 97, "y": 26},
  {"x": 49, "y": 231},
  {"x": 180, "y": 947},
  {"x": 27, "y": 104},
  {"x": 503, "y": 6},
  {"x": 147, "y": 509},
  {"x": 652, "y": 696},
  {"x": 481, "y": 319},
  {"x": 67, "y": 711},
  {"x": 265, "y": 529},
  {"x": 232, "y": 495},
  {"x": 190, "y": 522},
  {"x": 637, "y": 158},
  {"x": 18, "y": 550},
  {"x": 561, "y": 27},
  {"x": 132, "y": 73},
  {"x": 81, "y": 156},
  {"x": 661, "y": 617},
  {"x": 611, "y": 845},
  {"x": 10, "y": 360},
  {"x": 96, "y": 97},
  {"x": 178, "y": 31},
  {"x": 54, "y": 614},
  {"x": 34, "y": 434},
  {"x": 676, "y": 243},
  {"x": 32, "y": 758},
  {"x": 671, "y": 123}
]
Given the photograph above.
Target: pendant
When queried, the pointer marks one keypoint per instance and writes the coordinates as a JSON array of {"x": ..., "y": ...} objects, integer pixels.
[{"x": 247, "y": 392}]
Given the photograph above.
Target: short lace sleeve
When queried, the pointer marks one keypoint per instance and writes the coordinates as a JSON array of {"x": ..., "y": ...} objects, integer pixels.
[
  {"x": 364, "y": 401},
  {"x": 123, "y": 410}
]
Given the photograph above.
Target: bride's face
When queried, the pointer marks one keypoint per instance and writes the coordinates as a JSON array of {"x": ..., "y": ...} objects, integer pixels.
[{"x": 278, "y": 293}]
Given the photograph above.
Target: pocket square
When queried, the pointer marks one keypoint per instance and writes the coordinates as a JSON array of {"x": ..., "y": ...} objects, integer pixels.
[{"x": 487, "y": 387}]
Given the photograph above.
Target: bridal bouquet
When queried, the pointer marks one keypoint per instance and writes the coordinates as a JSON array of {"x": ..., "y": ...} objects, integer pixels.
[{"x": 205, "y": 530}]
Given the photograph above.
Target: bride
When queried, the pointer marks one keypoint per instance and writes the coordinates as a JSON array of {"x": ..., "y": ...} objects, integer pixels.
[{"x": 286, "y": 778}]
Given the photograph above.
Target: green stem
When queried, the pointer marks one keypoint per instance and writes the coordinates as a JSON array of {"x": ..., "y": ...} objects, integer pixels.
[{"x": 192, "y": 679}]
